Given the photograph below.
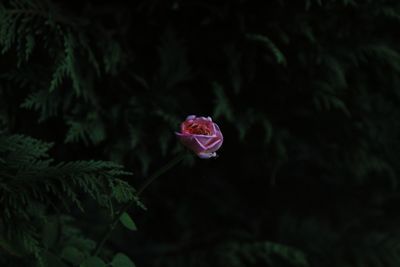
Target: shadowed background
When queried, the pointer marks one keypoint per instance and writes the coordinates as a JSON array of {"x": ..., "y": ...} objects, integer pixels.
[{"x": 306, "y": 95}]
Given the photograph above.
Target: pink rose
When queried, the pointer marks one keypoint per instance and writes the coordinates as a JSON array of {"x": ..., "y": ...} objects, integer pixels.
[{"x": 201, "y": 135}]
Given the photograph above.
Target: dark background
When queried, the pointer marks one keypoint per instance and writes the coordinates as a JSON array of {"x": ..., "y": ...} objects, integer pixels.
[{"x": 306, "y": 94}]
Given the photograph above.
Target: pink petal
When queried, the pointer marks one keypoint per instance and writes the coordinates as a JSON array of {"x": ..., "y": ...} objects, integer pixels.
[
  {"x": 204, "y": 139},
  {"x": 214, "y": 146},
  {"x": 206, "y": 155},
  {"x": 203, "y": 145},
  {"x": 191, "y": 142}
]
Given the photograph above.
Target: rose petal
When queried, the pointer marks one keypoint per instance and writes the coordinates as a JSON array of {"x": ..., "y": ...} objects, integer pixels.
[
  {"x": 201, "y": 122},
  {"x": 206, "y": 155},
  {"x": 191, "y": 117},
  {"x": 214, "y": 146},
  {"x": 218, "y": 132},
  {"x": 191, "y": 142},
  {"x": 204, "y": 139},
  {"x": 204, "y": 145},
  {"x": 205, "y": 118}
]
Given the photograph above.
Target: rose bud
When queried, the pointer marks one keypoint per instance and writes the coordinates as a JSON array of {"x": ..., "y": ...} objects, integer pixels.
[{"x": 201, "y": 135}]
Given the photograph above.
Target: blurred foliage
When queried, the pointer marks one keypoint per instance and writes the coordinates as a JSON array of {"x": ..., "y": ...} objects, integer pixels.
[{"x": 306, "y": 94}]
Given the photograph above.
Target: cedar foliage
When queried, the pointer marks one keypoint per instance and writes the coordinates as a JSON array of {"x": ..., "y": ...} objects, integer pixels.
[{"x": 306, "y": 94}]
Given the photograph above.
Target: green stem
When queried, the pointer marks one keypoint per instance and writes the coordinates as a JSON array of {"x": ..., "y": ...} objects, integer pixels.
[{"x": 124, "y": 208}]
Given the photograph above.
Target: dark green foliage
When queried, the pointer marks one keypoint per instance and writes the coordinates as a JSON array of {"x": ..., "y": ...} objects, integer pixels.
[
  {"x": 305, "y": 92},
  {"x": 31, "y": 184}
]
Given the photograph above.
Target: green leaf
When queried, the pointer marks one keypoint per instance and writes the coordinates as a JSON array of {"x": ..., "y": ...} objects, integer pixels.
[
  {"x": 52, "y": 260},
  {"x": 30, "y": 43},
  {"x": 50, "y": 233},
  {"x": 72, "y": 255},
  {"x": 279, "y": 56},
  {"x": 222, "y": 107},
  {"x": 121, "y": 260},
  {"x": 127, "y": 221},
  {"x": 174, "y": 67},
  {"x": 10, "y": 248},
  {"x": 93, "y": 262},
  {"x": 268, "y": 130}
]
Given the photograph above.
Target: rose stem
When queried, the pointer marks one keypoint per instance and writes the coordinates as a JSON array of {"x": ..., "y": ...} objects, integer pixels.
[{"x": 124, "y": 208}]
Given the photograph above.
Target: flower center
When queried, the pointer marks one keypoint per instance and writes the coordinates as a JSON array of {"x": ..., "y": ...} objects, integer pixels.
[{"x": 195, "y": 128}]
